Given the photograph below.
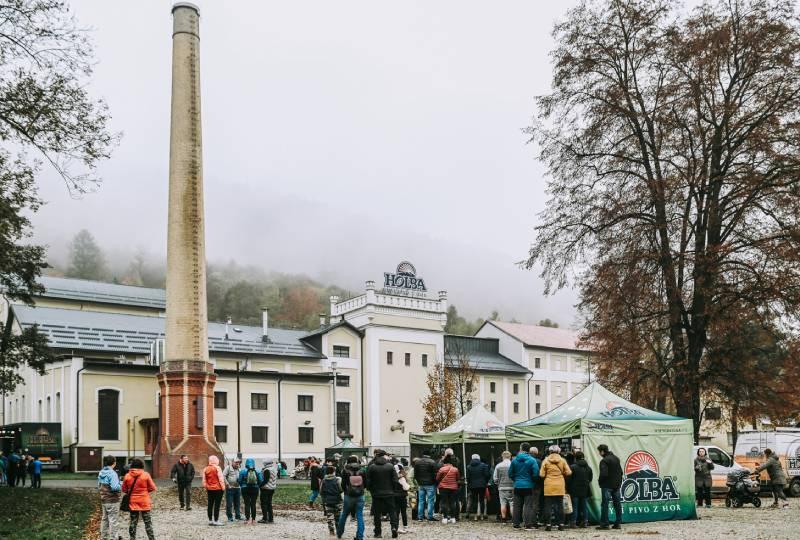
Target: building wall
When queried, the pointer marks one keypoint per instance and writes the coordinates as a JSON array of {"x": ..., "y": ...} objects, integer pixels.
[{"x": 64, "y": 303}]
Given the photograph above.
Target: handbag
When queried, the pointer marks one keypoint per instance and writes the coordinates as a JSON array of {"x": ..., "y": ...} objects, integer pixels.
[
  {"x": 125, "y": 503},
  {"x": 567, "y": 504}
]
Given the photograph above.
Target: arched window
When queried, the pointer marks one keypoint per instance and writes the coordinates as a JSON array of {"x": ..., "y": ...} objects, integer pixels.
[{"x": 108, "y": 415}]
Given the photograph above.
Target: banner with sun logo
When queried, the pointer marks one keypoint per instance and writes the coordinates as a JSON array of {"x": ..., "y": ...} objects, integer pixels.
[{"x": 658, "y": 478}]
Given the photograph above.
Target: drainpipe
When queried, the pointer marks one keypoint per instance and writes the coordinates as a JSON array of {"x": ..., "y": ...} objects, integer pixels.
[
  {"x": 280, "y": 380},
  {"x": 529, "y": 394},
  {"x": 363, "y": 421},
  {"x": 72, "y": 455},
  {"x": 238, "y": 416}
]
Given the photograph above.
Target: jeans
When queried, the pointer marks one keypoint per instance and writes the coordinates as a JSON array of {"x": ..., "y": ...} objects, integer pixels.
[
  {"x": 109, "y": 525},
  {"x": 580, "y": 510},
  {"x": 524, "y": 506},
  {"x": 703, "y": 494},
  {"x": 185, "y": 494},
  {"x": 313, "y": 497},
  {"x": 233, "y": 499},
  {"x": 554, "y": 509},
  {"x": 214, "y": 502},
  {"x": 449, "y": 503},
  {"x": 250, "y": 496},
  {"x": 380, "y": 506},
  {"x": 609, "y": 494},
  {"x": 477, "y": 501},
  {"x": 36, "y": 480},
  {"x": 148, "y": 524},
  {"x": 426, "y": 496},
  {"x": 350, "y": 504},
  {"x": 266, "y": 505}
]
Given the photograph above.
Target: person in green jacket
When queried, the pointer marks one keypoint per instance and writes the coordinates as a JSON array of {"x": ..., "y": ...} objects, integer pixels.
[{"x": 776, "y": 477}]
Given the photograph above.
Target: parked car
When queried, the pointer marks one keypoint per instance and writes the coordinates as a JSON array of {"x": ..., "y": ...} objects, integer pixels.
[
  {"x": 785, "y": 442},
  {"x": 723, "y": 464}
]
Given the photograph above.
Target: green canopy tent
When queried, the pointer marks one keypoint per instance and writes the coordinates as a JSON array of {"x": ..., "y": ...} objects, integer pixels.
[
  {"x": 346, "y": 448},
  {"x": 477, "y": 432},
  {"x": 655, "y": 451}
]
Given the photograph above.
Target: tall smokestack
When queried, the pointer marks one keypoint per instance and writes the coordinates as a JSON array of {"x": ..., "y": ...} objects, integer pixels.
[{"x": 186, "y": 378}]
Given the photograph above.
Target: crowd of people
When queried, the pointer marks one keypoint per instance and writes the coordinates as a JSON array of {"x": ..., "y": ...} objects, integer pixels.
[
  {"x": 532, "y": 492},
  {"x": 16, "y": 468}
]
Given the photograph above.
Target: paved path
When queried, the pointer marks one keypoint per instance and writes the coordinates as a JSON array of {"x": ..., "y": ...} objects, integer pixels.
[{"x": 717, "y": 523}]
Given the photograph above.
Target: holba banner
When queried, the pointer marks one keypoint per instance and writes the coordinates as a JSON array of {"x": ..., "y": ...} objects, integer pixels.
[{"x": 658, "y": 478}]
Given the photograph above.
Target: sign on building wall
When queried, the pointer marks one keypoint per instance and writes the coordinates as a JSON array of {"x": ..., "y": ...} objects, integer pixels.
[{"x": 404, "y": 282}]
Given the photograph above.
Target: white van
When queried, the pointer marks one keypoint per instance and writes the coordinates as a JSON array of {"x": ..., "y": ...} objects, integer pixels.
[
  {"x": 784, "y": 442},
  {"x": 723, "y": 464}
]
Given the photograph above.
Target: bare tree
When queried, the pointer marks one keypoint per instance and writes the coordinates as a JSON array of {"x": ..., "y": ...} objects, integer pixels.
[{"x": 673, "y": 146}]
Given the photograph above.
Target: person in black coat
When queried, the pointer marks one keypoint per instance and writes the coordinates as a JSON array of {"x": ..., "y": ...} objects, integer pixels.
[
  {"x": 477, "y": 480},
  {"x": 381, "y": 480},
  {"x": 579, "y": 484},
  {"x": 610, "y": 480},
  {"x": 425, "y": 470},
  {"x": 182, "y": 474}
]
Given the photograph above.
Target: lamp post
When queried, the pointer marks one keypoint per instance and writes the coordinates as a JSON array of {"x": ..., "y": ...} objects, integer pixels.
[{"x": 334, "y": 364}]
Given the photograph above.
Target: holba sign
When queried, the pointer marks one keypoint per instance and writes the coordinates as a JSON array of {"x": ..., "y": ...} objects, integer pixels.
[{"x": 405, "y": 281}]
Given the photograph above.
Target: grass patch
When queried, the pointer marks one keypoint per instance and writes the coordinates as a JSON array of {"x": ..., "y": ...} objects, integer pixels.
[
  {"x": 45, "y": 514},
  {"x": 294, "y": 494},
  {"x": 60, "y": 475}
]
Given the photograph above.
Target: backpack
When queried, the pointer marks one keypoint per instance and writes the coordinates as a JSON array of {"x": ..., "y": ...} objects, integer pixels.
[
  {"x": 355, "y": 486},
  {"x": 252, "y": 477}
]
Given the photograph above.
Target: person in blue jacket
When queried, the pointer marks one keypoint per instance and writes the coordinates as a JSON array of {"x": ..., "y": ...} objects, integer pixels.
[
  {"x": 36, "y": 473},
  {"x": 250, "y": 480},
  {"x": 524, "y": 471}
]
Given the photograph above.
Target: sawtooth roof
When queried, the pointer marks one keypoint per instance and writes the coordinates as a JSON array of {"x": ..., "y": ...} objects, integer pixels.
[
  {"x": 107, "y": 293},
  {"x": 115, "y": 332},
  {"x": 541, "y": 336}
]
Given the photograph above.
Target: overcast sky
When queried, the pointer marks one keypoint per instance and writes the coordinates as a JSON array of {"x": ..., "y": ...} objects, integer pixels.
[{"x": 339, "y": 139}]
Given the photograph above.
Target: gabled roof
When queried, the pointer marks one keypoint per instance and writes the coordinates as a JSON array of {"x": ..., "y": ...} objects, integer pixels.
[
  {"x": 107, "y": 293},
  {"x": 115, "y": 332},
  {"x": 596, "y": 402},
  {"x": 483, "y": 354},
  {"x": 325, "y": 329},
  {"x": 532, "y": 335}
]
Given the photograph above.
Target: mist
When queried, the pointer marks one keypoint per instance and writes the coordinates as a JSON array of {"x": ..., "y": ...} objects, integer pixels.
[{"x": 339, "y": 139}]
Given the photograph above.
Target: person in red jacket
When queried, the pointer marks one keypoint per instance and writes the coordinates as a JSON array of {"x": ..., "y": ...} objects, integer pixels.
[
  {"x": 447, "y": 477},
  {"x": 139, "y": 484}
]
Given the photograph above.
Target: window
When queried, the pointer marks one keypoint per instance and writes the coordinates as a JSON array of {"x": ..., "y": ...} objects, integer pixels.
[
  {"x": 469, "y": 404},
  {"x": 538, "y": 408},
  {"x": 108, "y": 414},
  {"x": 719, "y": 457},
  {"x": 493, "y": 406},
  {"x": 221, "y": 434},
  {"x": 516, "y": 388},
  {"x": 340, "y": 351},
  {"x": 424, "y": 360},
  {"x": 713, "y": 413},
  {"x": 48, "y": 409},
  {"x": 389, "y": 357},
  {"x": 557, "y": 364},
  {"x": 58, "y": 406},
  {"x": 537, "y": 363},
  {"x": 491, "y": 387},
  {"x": 342, "y": 417},
  {"x": 558, "y": 391},
  {"x": 469, "y": 386},
  {"x": 258, "y": 402},
  {"x": 41, "y": 412},
  {"x": 516, "y": 407},
  {"x": 220, "y": 400},
  {"x": 305, "y": 435},
  {"x": 259, "y": 434},
  {"x": 537, "y": 390},
  {"x": 343, "y": 380},
  {"x": 408, "y": 358},
  {"x": 305, "y": 403}
]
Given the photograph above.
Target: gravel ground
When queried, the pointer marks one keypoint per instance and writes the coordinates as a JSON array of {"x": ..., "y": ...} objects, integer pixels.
[{"x": 715, "y": 524}]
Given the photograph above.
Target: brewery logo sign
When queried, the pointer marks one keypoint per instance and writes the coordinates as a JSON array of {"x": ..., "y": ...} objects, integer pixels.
[
  {"x": 615, "y": 409},
  {"x": 642, "y": 481},
  {"x": 404, "y": 282}
]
